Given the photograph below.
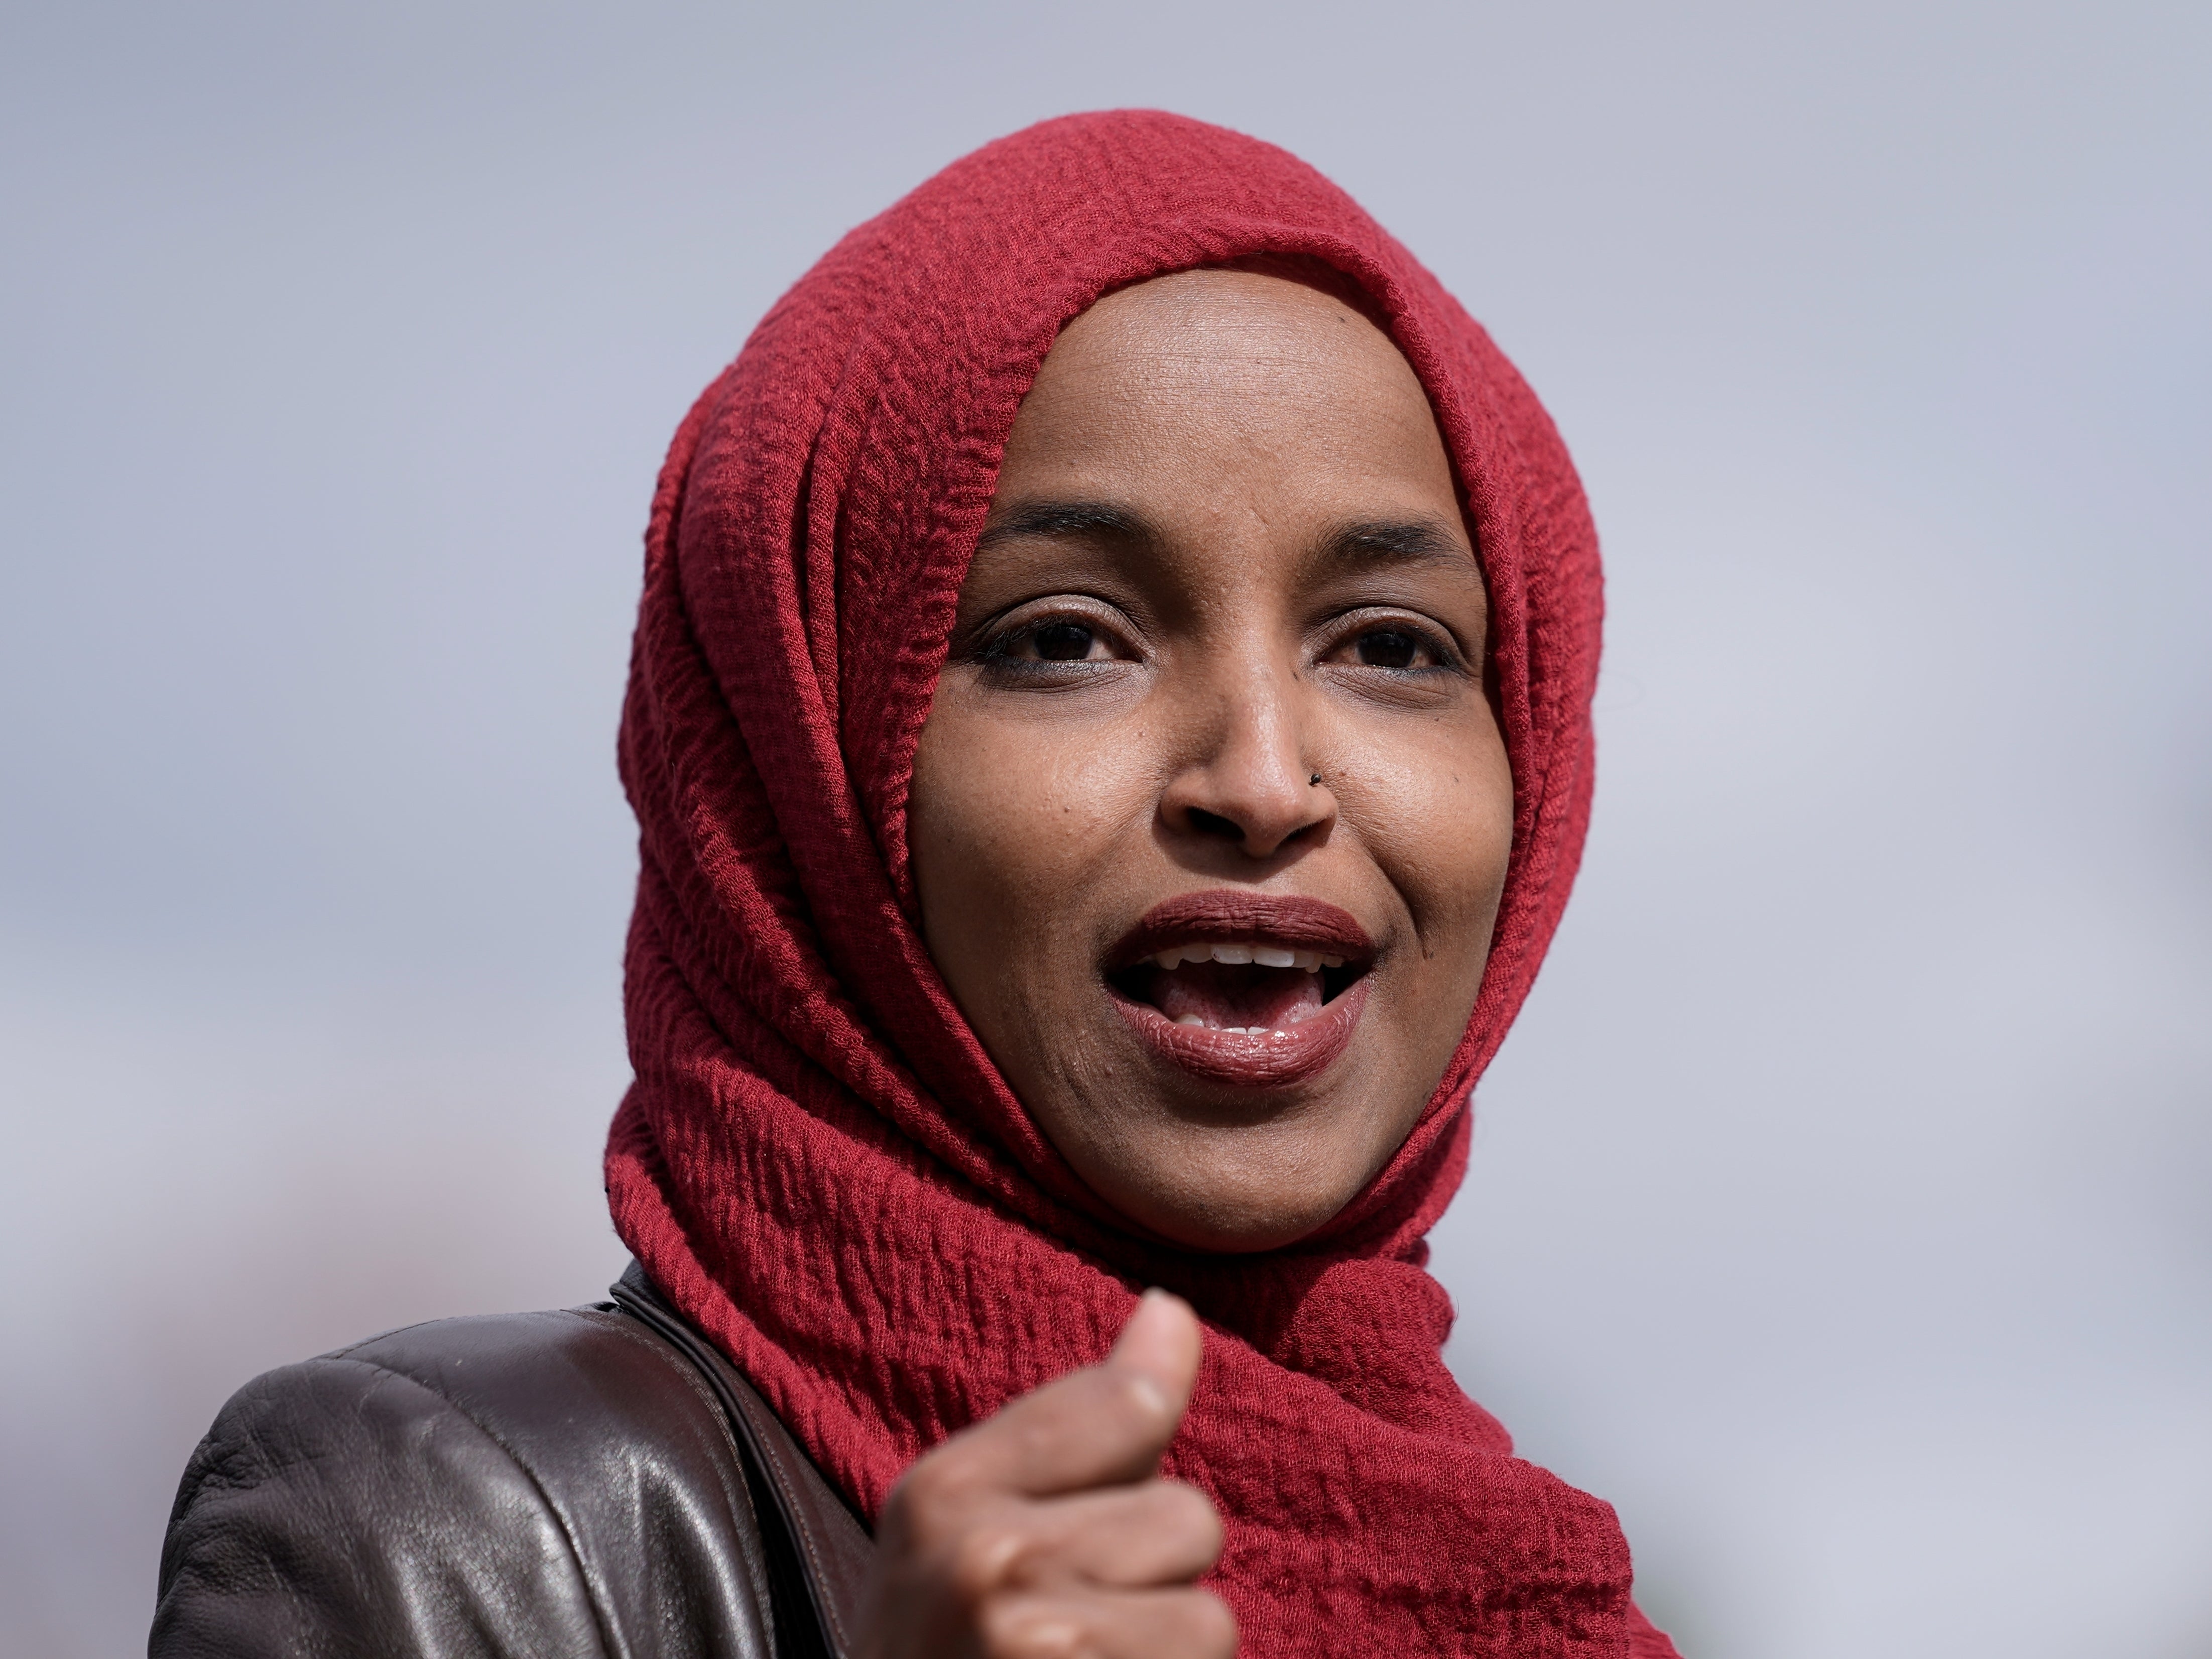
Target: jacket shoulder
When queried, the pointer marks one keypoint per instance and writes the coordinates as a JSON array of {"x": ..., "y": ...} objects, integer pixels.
[{"x": 543, "y": 1483}]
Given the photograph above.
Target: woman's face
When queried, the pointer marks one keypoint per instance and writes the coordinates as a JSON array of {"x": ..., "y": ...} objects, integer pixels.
[{"x": 1211, "y": 814}]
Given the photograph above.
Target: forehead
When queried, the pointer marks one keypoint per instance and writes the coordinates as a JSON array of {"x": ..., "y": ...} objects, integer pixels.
[
  {"x": 1207, "y": 376},
  {"x": 1208, "y": 324}
]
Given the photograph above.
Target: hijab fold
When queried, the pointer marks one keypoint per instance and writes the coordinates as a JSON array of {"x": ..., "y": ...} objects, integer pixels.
[{"x": 817, "y": 1162}]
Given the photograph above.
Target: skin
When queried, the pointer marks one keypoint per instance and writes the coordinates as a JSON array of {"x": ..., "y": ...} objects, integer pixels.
[
  {"x": 1252, "y": 429},
  {"x": 1045, "y": 1531},
  {"x": 1225, "y": 554}
]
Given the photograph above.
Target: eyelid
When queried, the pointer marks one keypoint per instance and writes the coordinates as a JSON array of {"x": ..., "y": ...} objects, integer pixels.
[
  {"x": 1434, "y": 637},
  {"x": 1101, "y": 617}
]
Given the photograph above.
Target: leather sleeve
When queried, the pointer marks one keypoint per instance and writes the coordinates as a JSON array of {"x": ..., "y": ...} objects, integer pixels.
[
  {"x": 545, "y": 1484},
  {"x": 337, "y": 1508}
]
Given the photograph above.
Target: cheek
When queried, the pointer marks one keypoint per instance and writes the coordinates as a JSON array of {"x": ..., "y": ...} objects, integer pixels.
[
  {"x": 1010, "y": 825},
  {"x": 1438, "y": 811}
]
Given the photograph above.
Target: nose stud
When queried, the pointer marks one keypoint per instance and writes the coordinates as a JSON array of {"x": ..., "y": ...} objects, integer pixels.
[{"x": 1314, "y": 779}]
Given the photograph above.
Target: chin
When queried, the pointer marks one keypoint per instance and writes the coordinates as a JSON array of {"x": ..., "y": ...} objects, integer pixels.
[
  {"x": 1249, "y": 1226},
  {"x": 1229, "y": 1223},
  {"x": 1231, "y": 1171}
]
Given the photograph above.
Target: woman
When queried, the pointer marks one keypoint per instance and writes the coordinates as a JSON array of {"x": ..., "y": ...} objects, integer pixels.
[{"x": 1110, "y": 725}]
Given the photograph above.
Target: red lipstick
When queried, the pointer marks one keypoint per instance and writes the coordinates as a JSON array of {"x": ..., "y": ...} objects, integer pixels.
[
  {"x": 1279, "y": 959},
  {"x": 1289, "y": 919}
]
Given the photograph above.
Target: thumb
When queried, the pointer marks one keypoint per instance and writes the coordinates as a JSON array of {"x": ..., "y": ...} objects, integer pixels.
[{"x": 1160, "y": 1347}]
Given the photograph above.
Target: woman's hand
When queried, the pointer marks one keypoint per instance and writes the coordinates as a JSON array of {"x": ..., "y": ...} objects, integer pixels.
[{"x": 1045, "y": 1531}]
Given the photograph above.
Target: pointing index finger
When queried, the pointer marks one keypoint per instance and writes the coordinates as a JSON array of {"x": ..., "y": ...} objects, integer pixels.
[
  {"x": 1161, "y": 1344},
  {"x": 1105, "y": 1424}
]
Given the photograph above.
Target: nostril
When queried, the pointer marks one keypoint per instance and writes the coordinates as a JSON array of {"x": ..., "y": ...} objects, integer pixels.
[{"x": 1212, "y": 823}]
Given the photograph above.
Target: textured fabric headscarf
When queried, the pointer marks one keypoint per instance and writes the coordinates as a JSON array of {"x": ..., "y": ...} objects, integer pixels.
[{"x": 818, "y": 1161}]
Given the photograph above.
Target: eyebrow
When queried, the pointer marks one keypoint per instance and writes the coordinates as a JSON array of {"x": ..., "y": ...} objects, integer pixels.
[
  {"x": 1366, "y": 541},
  {"x": 1069, "y": 520},
  {"x": 1394, "y": 541}
]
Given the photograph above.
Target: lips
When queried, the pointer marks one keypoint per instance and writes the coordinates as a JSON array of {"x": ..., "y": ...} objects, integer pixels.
[{"x": 1246, "y": 989}]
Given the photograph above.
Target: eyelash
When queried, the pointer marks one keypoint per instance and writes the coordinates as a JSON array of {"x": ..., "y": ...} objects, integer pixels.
[
  {"x": 1430, "y": 641},
  {"x": 995, "y": 653}
]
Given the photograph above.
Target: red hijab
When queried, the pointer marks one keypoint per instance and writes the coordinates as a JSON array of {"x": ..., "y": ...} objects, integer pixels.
[{"x": 817, "y": 1162}]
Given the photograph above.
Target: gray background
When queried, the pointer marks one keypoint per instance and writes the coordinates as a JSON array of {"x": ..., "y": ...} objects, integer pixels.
[{"x": 1841, "y": 1207}]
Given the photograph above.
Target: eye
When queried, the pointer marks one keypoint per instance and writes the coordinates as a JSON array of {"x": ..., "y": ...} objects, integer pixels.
[
  {"x": 1050, "y": 641},
  {"x": 1395, "y": 645},
  {"x": 1062, "y": 642},
  {"x": 1387, "y": 647}
]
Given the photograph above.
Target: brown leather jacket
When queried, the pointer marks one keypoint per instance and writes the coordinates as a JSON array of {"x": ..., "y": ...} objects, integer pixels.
[{"x": 594, "y": 1480}]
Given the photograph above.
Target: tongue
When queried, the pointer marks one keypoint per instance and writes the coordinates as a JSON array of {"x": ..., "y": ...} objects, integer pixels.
[{"x": 1222, "y": 994}]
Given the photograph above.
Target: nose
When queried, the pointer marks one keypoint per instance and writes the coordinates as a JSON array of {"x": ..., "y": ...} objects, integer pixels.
[{"x": 1247, "y": 783}]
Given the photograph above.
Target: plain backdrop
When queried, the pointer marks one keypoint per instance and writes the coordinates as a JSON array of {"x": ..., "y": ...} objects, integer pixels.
[{"x": 1841, "y": 1208}]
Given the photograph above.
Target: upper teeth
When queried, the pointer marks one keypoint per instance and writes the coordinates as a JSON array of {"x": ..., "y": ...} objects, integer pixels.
[{"x": 1266, "y": 955}]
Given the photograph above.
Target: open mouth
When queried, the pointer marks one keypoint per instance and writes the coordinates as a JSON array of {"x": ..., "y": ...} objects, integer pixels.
[
  {"x": 1247, "y": 986},
  {"x": 1244, "y": 988}
]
